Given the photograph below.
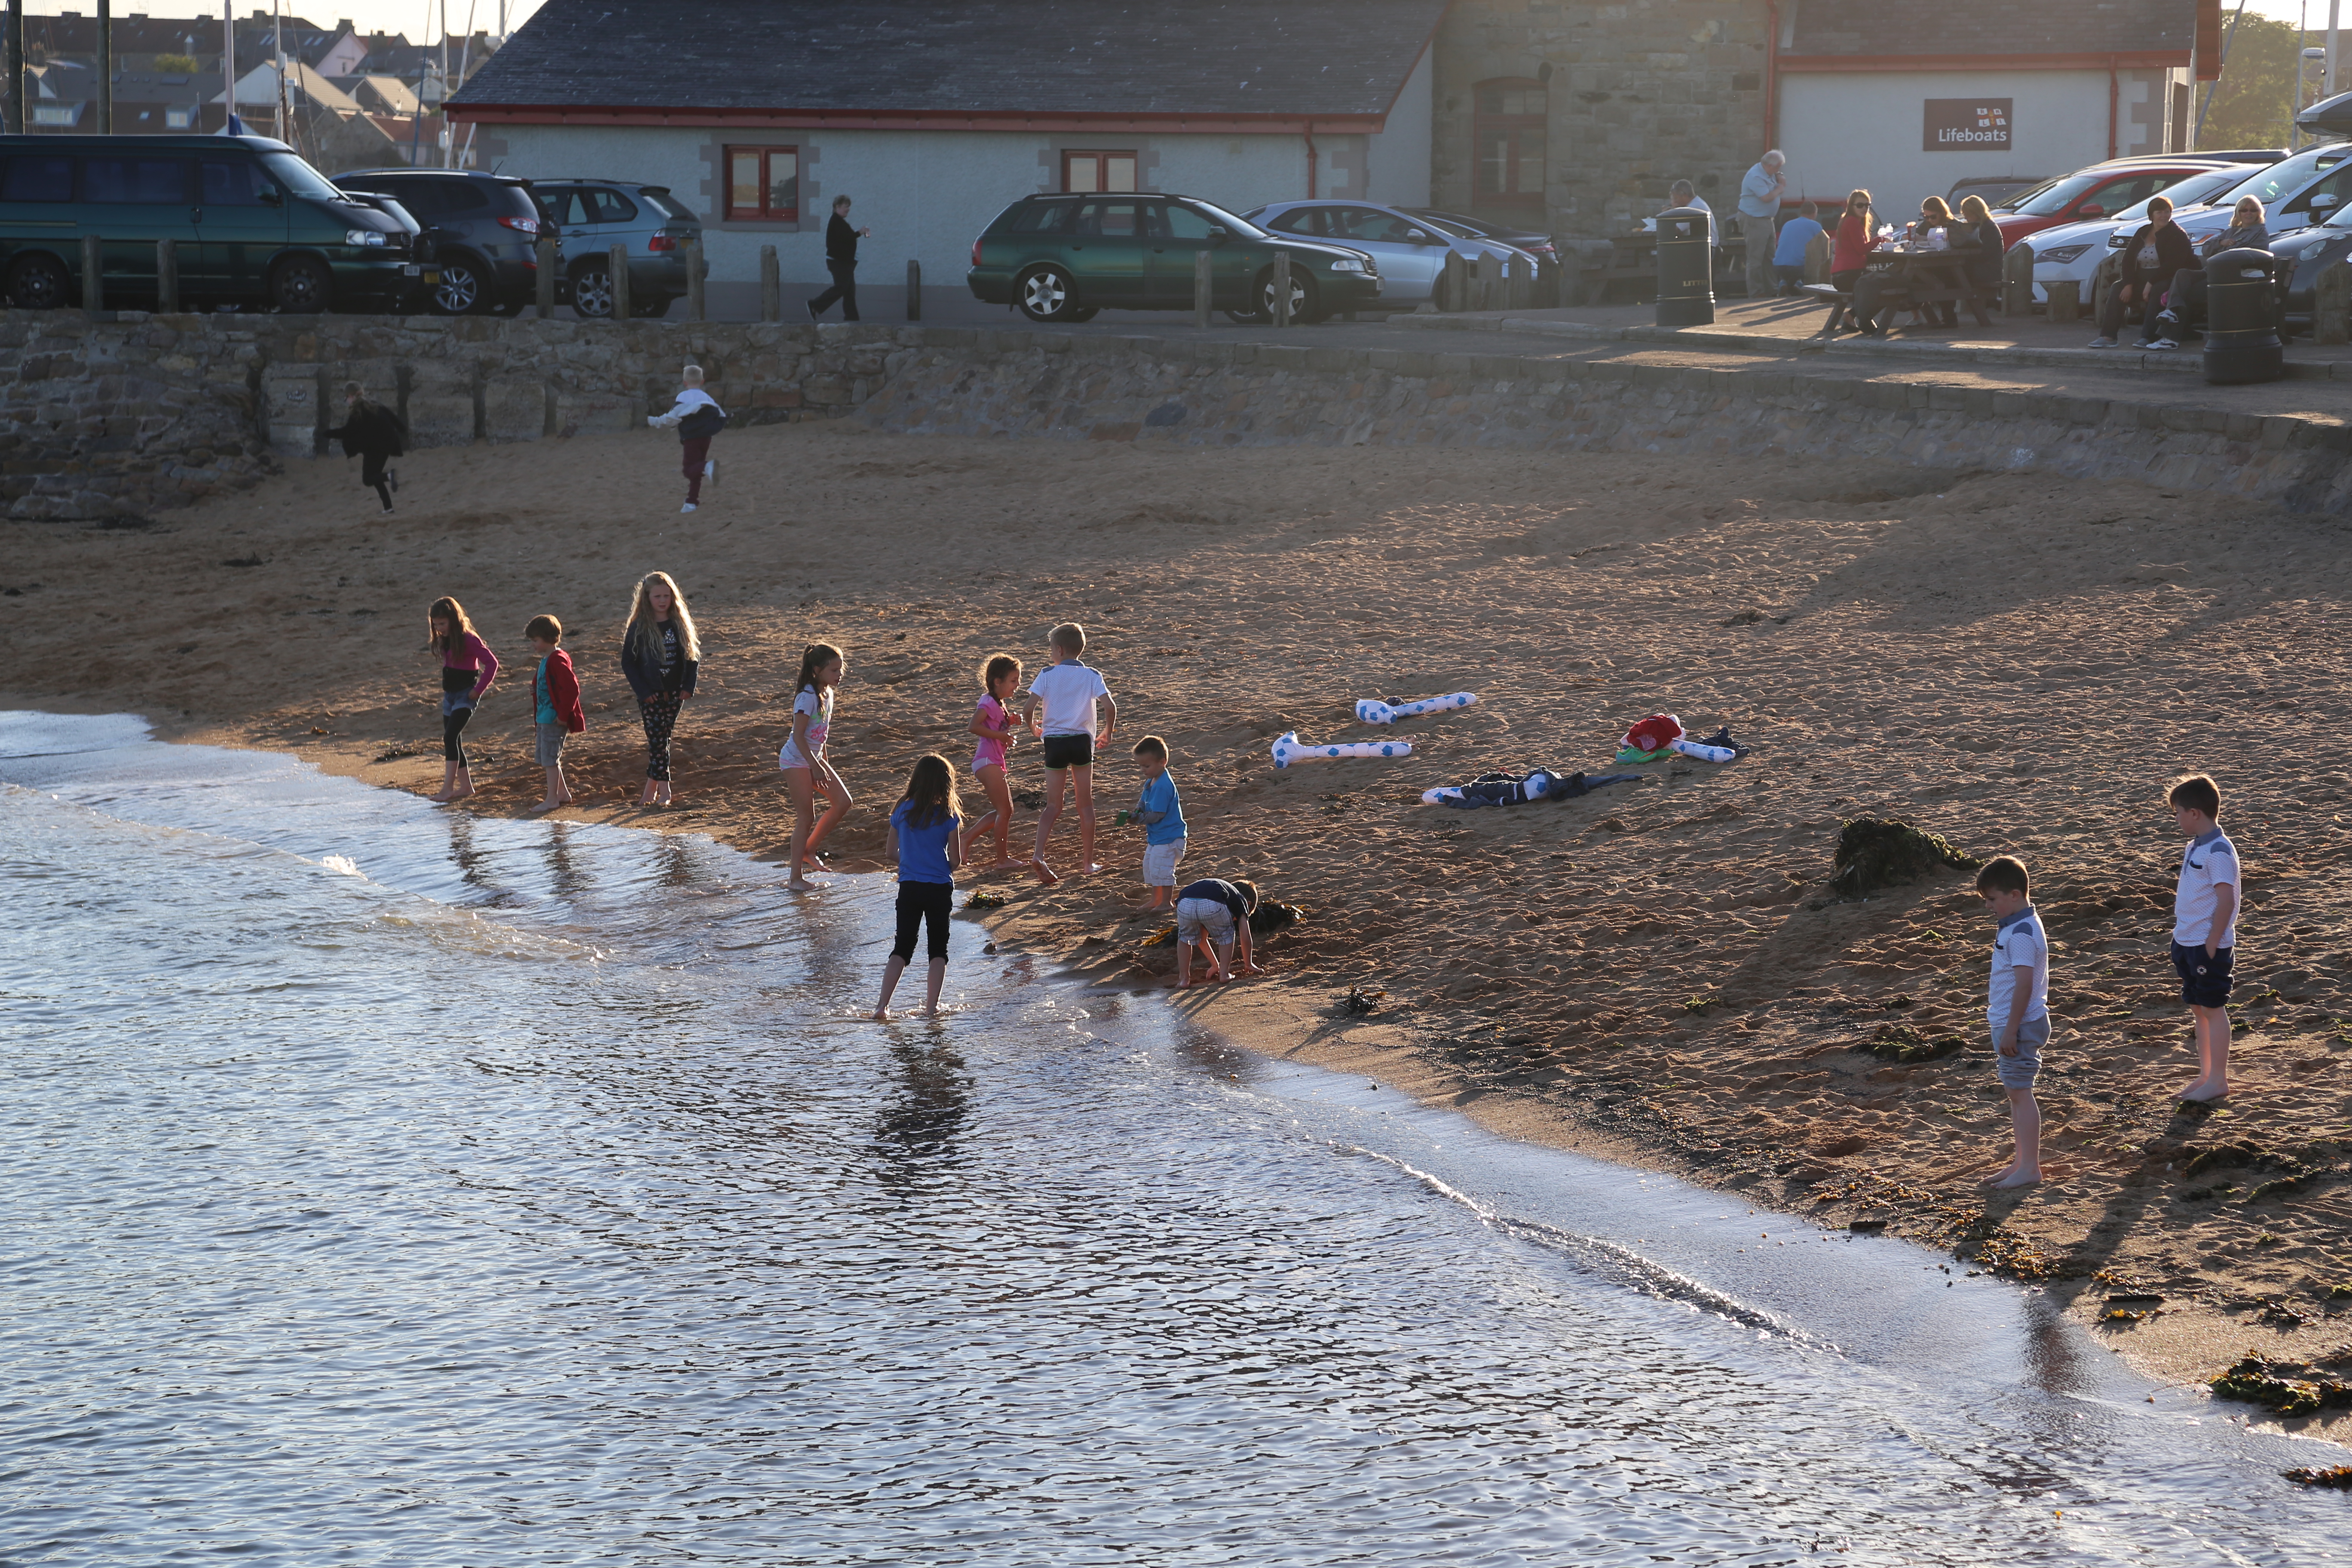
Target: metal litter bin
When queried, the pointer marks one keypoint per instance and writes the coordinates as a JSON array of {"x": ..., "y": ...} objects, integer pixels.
[
  {"x": 2242, "y": 340},
  {"x": 1686, "y": 269}
]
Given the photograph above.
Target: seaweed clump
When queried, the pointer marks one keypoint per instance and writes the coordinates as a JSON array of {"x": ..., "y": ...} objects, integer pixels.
[
  {"x": 1898, "y": 1043},
  {"x": 1879, "y": 852},
  {"x": 1271, "y": 916},
  {"x": 2338, "y": 1477},
  {"x": 2289, "y": 1388}
]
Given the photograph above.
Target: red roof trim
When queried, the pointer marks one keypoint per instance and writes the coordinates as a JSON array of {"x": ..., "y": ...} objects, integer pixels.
[
  {"x": 2138, "y": 59},
  {"x": 913, "y": 120}
]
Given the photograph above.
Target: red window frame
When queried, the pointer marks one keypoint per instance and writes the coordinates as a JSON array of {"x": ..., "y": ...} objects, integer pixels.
[
  {"x": 1098, "y": 161},
  {"x": 1509, "y": 129},
  {"x": 764, "y": 210}
]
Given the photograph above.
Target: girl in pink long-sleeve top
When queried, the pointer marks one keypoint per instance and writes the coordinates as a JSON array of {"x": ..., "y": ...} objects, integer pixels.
[{"x": 467, "y": 668}]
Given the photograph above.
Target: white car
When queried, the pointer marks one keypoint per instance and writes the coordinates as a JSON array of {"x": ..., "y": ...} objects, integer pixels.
[
  {"x": 2295, "y": 194},
  {"x": 2072, "y": 252},
  {"x": 1410, "y": 249}
]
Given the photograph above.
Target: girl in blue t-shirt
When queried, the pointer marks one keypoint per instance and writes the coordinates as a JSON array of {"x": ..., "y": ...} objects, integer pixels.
[{"x": 923, "y": 836}]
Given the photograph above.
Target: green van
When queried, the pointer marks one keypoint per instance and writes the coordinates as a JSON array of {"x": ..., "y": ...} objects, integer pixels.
[{"x": 255, "y": 225}]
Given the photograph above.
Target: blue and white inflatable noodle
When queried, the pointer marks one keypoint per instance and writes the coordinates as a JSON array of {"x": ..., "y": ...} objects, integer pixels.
[
  {"x": 1704, "y": 752},
  {"x": 1372, "y": 711},
  {"x": 1288, "y": 748}
]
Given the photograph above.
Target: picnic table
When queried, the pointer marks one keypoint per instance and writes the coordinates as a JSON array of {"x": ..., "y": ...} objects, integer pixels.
[{"x": 1935, "y": 277}]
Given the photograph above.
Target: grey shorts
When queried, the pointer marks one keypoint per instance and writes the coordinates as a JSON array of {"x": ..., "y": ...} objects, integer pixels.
[
  {"x": 1196, "y": 916},
  {"x": 2020, "y": 1071},
  {"x": 550, "y": 745}
]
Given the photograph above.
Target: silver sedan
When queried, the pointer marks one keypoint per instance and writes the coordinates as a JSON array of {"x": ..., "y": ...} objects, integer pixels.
[{"x": 1410, "y": 249}]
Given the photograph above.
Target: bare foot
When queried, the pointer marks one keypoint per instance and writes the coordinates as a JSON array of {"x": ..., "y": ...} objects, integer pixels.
[
  {"x": 1998, "y": 1177},
  {"x": 1253, "y": 969},
  {"x": 810, "y": 862},
  {"x": 663, "y": 797},
  {"x": 799, "y": 885},
  {"x": 2015, "y": 1179},
  {"x": 463, "y": 793},
  {"x": 440, "y": 798},
  {"x": 881, "y": 1014},
  {"x": 540, "y": 808},
  {"x": 564, "y": 799},
  {"x": 1090, "y": 868},
  {"x": 646, "y": 798},
  {"x": 1045, "y": 875},
  {"x": 2204, "y": 1093}
]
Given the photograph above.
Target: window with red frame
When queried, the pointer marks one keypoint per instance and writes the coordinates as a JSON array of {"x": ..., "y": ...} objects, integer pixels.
[
  {"x": 764, "y": 184},
  {"x": 1508, "y": 139},
  {"x": 1091, "y": 172}
]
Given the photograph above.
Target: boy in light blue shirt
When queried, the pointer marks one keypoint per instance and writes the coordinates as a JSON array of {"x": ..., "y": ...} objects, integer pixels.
[
  {"x": 1789, "y": 255},
  {"x": 2016, "y": 1008},
  {"x": 1162, "y": 817}
]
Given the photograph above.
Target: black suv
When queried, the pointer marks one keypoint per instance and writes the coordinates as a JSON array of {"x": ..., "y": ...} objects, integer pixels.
[
  {"x": 480, "y": 234},
  {"x": 592, "y": 216}
]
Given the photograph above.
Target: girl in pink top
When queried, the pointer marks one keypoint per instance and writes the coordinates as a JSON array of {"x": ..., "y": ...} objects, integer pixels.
[
  {"x": 993, "y": 721},
  {"x": 467, "y": 668}
]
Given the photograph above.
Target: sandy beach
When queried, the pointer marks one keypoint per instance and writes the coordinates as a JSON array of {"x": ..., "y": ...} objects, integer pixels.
[{"x": 1658, "y": 971}]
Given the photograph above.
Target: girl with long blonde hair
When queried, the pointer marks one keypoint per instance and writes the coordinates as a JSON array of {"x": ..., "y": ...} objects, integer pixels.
[{"x": 659, "y": 654}]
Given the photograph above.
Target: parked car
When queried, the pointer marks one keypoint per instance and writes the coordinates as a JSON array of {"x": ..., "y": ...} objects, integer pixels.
[
  {"x": 592, "y": 216},
  {"x": 1537, "y": 245},
  {"x": 2093, "y": 193},
  {"x": 483, "y": 230},
  {"x": 1410, "y": 249},
  {"x": 2072, "y": 252},
  {"x": 1997, "y": 190},
  {"x": 2303, "y": 256},
  {"x": 1063, "y": 258},
  {"x": 254, "y": 225},
  {"x": 2296, "y": 192}
]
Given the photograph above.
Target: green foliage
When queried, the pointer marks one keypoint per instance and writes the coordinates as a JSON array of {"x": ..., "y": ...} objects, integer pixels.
[
  {"x": 175, "y": 65},
  {"x": 2254, "y": 104}
]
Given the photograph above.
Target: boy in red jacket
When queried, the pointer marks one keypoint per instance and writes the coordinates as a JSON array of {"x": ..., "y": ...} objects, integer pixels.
[{"x": 555, "y": 690}]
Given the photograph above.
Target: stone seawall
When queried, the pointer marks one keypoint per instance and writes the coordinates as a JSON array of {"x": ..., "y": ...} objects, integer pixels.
[{"x": 125, "y": 417}]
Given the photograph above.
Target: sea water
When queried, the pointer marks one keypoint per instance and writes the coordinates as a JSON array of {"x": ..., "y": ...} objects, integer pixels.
[{"x": 387, "y": 1185}]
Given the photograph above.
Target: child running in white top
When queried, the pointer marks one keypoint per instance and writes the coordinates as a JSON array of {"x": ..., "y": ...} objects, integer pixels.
[
  {"x": 1068, "y": 690},
  {"x": 993, "y": 722},
  {"x": 807, "y": 774}
]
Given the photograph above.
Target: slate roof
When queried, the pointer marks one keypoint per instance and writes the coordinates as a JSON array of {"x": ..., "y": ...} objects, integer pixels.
[
  {"x": 963, "y": 57},
  {"x": 1992, "y": 26}
]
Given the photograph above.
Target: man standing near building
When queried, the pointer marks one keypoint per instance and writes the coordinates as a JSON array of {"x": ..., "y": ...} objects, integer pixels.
[
  {"x": 1759, "y": 206},
  {"x": 840, "y": 261}
]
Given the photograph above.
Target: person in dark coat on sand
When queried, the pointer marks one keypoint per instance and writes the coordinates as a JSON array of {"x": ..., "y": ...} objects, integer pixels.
[{"x": 373, "y": 434}]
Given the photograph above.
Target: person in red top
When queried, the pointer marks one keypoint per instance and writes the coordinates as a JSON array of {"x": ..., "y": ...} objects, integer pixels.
[
  {"x": 467, "y": 668},
  {"x": 555, "y": 700},
  {"x": 1849, "y": 256}
]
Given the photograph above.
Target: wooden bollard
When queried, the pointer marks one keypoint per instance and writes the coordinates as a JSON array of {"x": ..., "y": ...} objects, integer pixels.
[
  {"x": 914, "y": 291},
  {"x": 93, "y": 273},
  {"x": 1282, "y": 287},
  {"x": 1204, "y": 285},
  {"x": 2065, "y": 301},
  {"x": 167, "y": 277},
  {"x": 544, "y": 304},
  {"x": 2331, "y": 305},
  {"x": 2017, "y": 281},
  {"x": 771, "y": 286},
  {"x": 619, "y": 273}
]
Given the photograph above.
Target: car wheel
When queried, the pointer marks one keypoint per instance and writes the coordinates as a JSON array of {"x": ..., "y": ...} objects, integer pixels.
[
  {"x": 1047, "y": 295},
  {"x": 300, "y": 286},
  {"x": 463, "y": 289},
  {"x": 592, "y": 293},
  {"x": 1302, "y": 303},
  {"x": 38, "y": 283}
]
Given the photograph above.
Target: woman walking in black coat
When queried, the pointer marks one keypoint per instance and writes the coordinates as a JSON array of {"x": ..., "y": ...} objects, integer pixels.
[{"x": 373, "y": 434}]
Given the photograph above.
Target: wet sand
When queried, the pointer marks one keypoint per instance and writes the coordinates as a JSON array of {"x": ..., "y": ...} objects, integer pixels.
[{"x": 1658, "y": 971}]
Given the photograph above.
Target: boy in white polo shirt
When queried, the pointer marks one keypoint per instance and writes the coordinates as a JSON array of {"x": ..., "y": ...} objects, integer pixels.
[
  {"x": 1069, "y": 691},
  {"x": 2016, "y": 1008},
  {"x": 2205, "y": 930}
]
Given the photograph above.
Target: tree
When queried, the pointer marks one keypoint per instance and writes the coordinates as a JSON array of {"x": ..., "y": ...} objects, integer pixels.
[{"x": 2253, "y": 103}]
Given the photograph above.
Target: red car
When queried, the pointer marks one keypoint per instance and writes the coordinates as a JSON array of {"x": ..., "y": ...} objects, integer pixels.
[{"x": 2093, "y": 193}]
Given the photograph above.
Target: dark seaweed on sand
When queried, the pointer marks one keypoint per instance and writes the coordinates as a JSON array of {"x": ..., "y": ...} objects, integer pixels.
[{"x": 1877, "y": 852}]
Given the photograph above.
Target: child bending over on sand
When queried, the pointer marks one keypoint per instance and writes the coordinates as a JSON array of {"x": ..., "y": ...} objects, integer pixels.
[
  {"x": 1068, "y": 690},
  {"x": 806, "y": 773},
  {"x": 2016, "y": 1008},
  {"x": 2205, "y": 930},
  {"x": 1162, "y": 815},
  {"x": 923, "y": 836},
  {"x": 555, "y": 702},
  {"x": 1215, "y": 915},
  {"x": 992, "y": 721},
  {"x": 698, "y": 417},
  {"x": 467, "y": 668}
]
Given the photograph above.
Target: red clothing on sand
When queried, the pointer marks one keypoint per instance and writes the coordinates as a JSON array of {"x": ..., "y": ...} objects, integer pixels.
[
  {"x": 1853, "y": 244},
  {"x": 563, "y": 693}
]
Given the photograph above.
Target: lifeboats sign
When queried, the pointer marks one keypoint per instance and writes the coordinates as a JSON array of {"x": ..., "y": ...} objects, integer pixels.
[{"x": 1967, "y": 125}]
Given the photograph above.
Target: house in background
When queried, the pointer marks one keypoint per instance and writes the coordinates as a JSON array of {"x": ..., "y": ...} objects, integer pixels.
[{"x": 756, "y": 113}]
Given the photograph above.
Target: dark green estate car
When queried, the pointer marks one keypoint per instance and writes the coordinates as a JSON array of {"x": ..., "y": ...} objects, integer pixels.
[
  {"x": 254, "y": 224},
  {"x": 1063, "y": 258}
]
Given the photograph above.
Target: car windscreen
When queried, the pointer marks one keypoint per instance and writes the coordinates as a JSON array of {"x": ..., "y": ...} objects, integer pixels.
[
  {"x": 300, "y": 177},
  {"x": 665, "y": 203},
  {"x": 2194, "y": 191},
  {"x": 1243, "y": 228},
  {"x": 1458, "y": 230},
  {"x": 2280, "y": 179},
  {"x": 2060, "y": 194}
]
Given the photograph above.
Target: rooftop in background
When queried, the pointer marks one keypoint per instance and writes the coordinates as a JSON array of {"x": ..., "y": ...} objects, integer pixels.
[
  {"x": 983, "y": 58},
  {"x": 1937, "y": 28}
]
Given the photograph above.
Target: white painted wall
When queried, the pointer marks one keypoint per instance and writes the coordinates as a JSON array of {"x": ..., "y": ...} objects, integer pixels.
[
  {"x": 1398, "y": 158},
  {"x": 1862, "y": 129}
]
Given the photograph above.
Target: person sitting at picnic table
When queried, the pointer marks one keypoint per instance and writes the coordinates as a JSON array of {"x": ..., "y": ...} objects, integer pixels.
[
  {"x": 1789, "y": 255},
  {"x": 1682, "y": 193},
  {"x": 1985, "y": 256},
  {"x": 2155, "y": 256},
  {"x": 2184, "y": 302},
  {"x": 1883, "y": 292},
  {"x": 1848, "y": 257}
]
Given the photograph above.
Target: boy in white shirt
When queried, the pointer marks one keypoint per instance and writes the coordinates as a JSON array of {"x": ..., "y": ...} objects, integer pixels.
[
  {"x": 2205, "y": 930},
  {"x": 2016, "y": 1008},
  {"x": 1069, "y": 691},
  {"x": 696, "y": 417}
]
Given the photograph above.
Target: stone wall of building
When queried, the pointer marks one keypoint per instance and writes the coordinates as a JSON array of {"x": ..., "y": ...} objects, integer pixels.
[{"x": 1638, "y": 94}]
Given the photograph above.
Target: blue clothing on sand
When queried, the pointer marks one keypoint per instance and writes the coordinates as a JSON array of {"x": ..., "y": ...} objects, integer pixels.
[
  {"x": 922, "y": 851},
  {"x": 539, "y": 689},
  {"x": 1160, "y": 795},
  {"x": 1795, "y": 234}
]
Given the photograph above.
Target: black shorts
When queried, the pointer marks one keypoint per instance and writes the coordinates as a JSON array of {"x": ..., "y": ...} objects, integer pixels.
[
  {"x": 2204, "y": 977},
  {"x": 1069, "y": 751},
  {"x": 920, "y": 904}
]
